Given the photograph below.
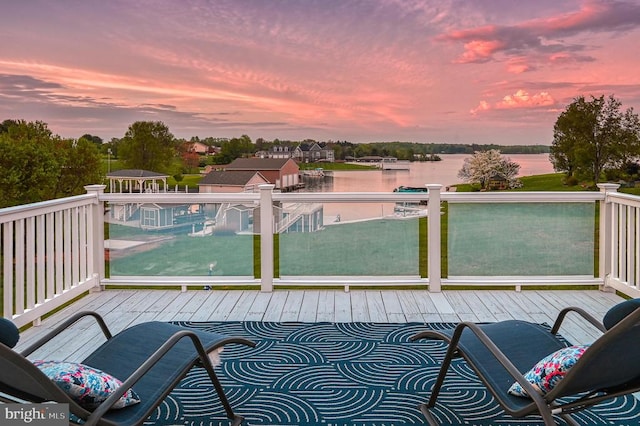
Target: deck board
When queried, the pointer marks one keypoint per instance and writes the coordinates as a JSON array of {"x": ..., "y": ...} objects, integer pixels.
[
  {"x": 291, "y": 310},
  {"x": 343, "y": 307},
  {"x": 326, "y": 306},
  {"x": 123, "y": 308},
  {"x": 359, "y": 307},
  {"x": 409, "y": 306},
  {"x": 309, "y": 306},
  {"x": 375, "y": 305},
  {"x": 243, "y": 306}
]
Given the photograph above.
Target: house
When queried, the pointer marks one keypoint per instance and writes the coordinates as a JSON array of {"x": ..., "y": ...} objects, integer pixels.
[
  {"x": 278, "y": 151},
  {"x": 311, "y": 153},
  {"x": 231, "y": 181},
  {"x": 282, "y": 172},
  {"x": 198, "y": 147}
]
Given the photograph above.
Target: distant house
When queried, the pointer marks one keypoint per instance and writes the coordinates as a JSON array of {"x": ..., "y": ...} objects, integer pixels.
[
  {"x": 282, "y": 172},
  {"x": 198, "y": 147},
  {"x": 231, "y": 181},
  {"x": 311, "y": 153},
  {"x": 278, "y": 151}
]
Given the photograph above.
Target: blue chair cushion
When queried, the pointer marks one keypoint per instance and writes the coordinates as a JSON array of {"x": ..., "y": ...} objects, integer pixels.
[
  {"x": 9, "y": 333},
  {"x": 619, "y": 312}
]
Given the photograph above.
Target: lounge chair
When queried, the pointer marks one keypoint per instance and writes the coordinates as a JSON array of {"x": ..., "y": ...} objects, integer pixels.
[
  {"x": 149, "y": 358},
  {"x": 503, "y": 353}
]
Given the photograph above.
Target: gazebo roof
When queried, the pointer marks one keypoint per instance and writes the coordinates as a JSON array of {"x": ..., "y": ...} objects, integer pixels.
[{"x": 135, "y": 173}]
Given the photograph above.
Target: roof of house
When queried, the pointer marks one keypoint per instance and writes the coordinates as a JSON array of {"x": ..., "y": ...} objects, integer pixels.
[
  {"x": 135, "y": 173},
  {"x": 257, "y": 164},
  {"x": 231, "y": 177},
  {"x": 304, "y": 146}
]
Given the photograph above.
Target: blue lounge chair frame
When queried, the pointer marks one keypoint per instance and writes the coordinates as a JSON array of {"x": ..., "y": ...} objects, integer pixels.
[
  {"x": 501, "y": 353},
  {"x": 150, "y": 357}
]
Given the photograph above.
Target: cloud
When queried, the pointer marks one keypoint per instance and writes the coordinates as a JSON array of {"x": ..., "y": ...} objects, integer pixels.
[
  {"x": 518, "y": 100},
  {"x": 546, "y": 37},
  {"x": 519, "y": 65}
]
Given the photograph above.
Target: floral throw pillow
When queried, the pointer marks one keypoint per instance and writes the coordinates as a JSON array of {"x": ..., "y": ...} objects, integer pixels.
[
  {"x": 88, "y": 386},
  {"x": 546, "y": 374}
]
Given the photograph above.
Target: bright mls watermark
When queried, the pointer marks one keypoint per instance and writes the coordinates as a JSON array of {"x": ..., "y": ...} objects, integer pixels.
[{"x": 34, "y": 414}]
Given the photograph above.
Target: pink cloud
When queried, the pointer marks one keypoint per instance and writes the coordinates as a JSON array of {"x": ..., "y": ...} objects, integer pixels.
[
  {"x": 544, "y": 36},
  {"x": 517, "y": 100},
  {"x": 482, "y": 106},
  {"x": 594, "y": 16},
  {"x": 477, "y": 51},
  {"x": 519, "y": 65}
]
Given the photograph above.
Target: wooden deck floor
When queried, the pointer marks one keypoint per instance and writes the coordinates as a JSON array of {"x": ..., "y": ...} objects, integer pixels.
[{"x": 122, "y": 308}]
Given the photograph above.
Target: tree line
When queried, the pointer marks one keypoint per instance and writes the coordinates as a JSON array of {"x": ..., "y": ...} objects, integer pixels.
[{"x": 593, "y": 140}]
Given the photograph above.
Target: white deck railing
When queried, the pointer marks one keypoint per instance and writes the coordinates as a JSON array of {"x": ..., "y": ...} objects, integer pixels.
[
  {"x": 51, "y": 253},
  {"x": 54, "y": 251},
  {"x": 621, "y": 261}
]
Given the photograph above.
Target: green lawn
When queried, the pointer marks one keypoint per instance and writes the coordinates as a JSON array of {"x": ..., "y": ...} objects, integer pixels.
[{"x": 548, "y": 182}]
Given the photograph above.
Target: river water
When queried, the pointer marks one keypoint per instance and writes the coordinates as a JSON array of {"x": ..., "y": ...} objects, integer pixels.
[{"x": 444, "y": 172}]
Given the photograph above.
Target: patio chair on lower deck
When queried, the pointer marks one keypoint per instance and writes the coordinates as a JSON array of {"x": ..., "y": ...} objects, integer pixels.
[
  {"x": 564, "y": 380},
  {"x": 150, "y": 359}
]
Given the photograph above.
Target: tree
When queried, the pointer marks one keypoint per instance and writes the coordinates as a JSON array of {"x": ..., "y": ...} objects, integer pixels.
[
  {"x": 37, "y": 165},
  {"x": 95, "y": 139},
  {"x": 234, "y": 148},
  {"x": 80, "y": 164},
  {"x": 189, "y": 158},
  {"x": 591, "y": 137},
  {"x": 485, "y": 165},
  {"x": 148, "y": 145}
]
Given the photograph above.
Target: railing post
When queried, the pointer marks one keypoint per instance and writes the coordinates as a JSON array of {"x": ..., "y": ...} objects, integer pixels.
[
  {"x": 433, "y": 242},
  {"x": 266, "y": 237},
  {"x": 96, "y": 251},
  {"x": 606, "y": 234}
]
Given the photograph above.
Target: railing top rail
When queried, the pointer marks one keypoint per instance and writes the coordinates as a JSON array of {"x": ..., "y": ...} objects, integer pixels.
[
  {"x": 9, "y": 214},
  {"x": 627, "y": 199}
]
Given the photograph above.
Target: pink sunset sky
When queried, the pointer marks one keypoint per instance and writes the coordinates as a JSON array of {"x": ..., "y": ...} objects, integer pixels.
[{"x": 450, "y": 71}]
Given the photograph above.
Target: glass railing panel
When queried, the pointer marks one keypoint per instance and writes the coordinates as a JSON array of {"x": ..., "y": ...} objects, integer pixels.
[
  {"x": 513, "y": 239},
  {"x": 157, "y": 239},
  {"x": 333, "y": 239}
]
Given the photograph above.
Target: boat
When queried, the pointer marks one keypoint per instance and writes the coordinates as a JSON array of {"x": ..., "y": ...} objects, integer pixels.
[
  {"x": 392, "y": 163},
  {"x": 410, "y": 189},
  {"x": 318, "y": 172}
]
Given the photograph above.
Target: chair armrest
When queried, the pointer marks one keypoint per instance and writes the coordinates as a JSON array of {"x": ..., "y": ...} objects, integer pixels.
[
  {"x": 106, "y": 405},
  {"x": 63, "y": 326},
  {"x": 584, "y": 314}
]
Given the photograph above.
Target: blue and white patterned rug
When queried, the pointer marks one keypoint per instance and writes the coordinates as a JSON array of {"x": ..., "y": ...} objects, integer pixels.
[{"x": 352, "y": 374}]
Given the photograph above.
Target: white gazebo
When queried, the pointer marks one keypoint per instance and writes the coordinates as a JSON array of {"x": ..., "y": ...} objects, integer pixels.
[{"x": 136, "y": 180}]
